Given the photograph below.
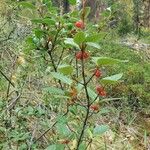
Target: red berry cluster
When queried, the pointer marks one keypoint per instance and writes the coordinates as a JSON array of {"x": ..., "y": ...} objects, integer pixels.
[
  {"x": 100, "y": 90},
  {"x": 94, "y": 107},
  {"x": 65, "y": 141},
  {"x": 82, "y": 55},
  {"x": 80, "y": 24},
  {"x": 98, "y": 73}
]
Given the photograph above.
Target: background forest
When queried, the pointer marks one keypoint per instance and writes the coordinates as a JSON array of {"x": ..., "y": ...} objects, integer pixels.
[{"x": 75, "y": 74}]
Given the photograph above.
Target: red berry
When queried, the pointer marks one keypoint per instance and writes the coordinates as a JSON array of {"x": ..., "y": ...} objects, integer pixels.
[
  {"x": 65, "y": 142},
  {"x": 98, "y": 73},
  {"x": 100, "y": 90},
  {"x": 85, "y": 55},
  {"x": 82, "y": 55},
  {"x": 79, "y": 55},
  {"x": 103, "y": 93},
  {"x": 94, "y": 107},
  {"x": 79, "y": 24}
]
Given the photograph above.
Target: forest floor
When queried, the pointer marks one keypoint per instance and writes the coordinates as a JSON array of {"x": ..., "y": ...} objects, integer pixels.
[
  {"x": 132, "y": 136},
  {"x": 130, "y": 130}
]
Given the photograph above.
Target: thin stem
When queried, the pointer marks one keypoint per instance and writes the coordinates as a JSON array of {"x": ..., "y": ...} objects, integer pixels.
[
  {"x": 43, "y": 134},
  {"x": 94, "y": 99},
  {"x": 83, "y": 129},
  {"x": 8, "y": 89},
  {"x": 88, "y": 106},
  {"x": 83, "y": 13},
  {"x": 89, "y": 144},
  {"x": 77, "y": 81},
  {"x": 77, "y": 70},
  {"x": 60, "y": 58},
  {"x": 90, "y": 78},
  {"x": 7, "y": 78},
  {"x": 50, "y": 54}
]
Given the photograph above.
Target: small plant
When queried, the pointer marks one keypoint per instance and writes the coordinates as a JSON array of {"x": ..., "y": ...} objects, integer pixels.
[{"x": 66, "y": 43}]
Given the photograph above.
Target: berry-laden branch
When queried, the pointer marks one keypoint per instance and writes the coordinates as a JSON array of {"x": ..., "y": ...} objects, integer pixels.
[
  {"x": 82, "y": 55},
  {"x": 88, "y": 105}
]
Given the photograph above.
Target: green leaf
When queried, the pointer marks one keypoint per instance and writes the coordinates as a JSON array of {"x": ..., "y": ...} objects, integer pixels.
[
  {"x": 82, "y": 146},
  {"x": 100, "y": 129},
  {"x": 106, "y": 13},
  {"x": 61, "y": 96},
  {"x": 109, "y": 99},
  {"x": 23, "y": 146},
  {"x": 107, "y": 61},
  {"x": 72, "y": 2},
  {"x": 51, "y": 147},
  {"x": 112, "y": 79},
  {"x": 61, "y": 77},
  {"x": 92, "y": 94},
  {"x": 79, "y": 38},
  {"x": 95, "y": 45},
  {"x": 65, "y": 69},
  {"x": 2, "y": 129},
  {"x": 39, "y": 33},
  {"x": 53, "y": 90},
  {"x": 48, "y": 3},
  {"x": 61, "y": 119},
  {"x": 93, "y": 38},
  {"x": 48, "y": 21},
  {"x": 104, "y": 111},
  {"x": 86, "y": 11},
  {"x": 63, "y": 129},
  {"x": 55, "y": 147},
  {"x": 70, "y": 41},
  {"x": 36, "y": 20},
  {"x": 27, "y": 5}
]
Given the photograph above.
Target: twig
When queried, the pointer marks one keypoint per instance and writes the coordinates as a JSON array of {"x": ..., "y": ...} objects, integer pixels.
[
  {"x": 94, "y": 99},
  {"x": 33, "y": 135},
  {"x": 3, "y": 25},
  {"x": 43, "y": 134},
  {"x": 7, "y": 78},
  {"x": 8, "y": 38},
  {"x": 13, "y": 102},
  {"x": 88, "y": 106},
  {"x": 60, "y": 58},
  {"x": 77, "y": 81},
  {"x": 90, "y": 78},
  {"x": 50, "y": 54},
  {"x": 88, "y": 103},
  {"x": 77, "y": 70},
  {"x": 89, "y": 144}
]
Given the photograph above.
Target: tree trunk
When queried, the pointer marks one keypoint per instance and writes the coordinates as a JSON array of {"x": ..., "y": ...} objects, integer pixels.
[
  {"x": 66, "y": 6},
  {"x": 147, "y": 13}
]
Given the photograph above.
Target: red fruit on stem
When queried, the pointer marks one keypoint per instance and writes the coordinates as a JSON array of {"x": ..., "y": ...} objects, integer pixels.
[
  {"x": 79, "y": 55},
  {"x": 85, "y": 55},
  {"x": 79, "y": 24},
  {"x": 94, "y": 107},
  {"x": 82, "y": 55},
  {"x": 98, "y": 73},
  {"x": 103, "y": 93},
  {"x": 65, "y": 142},
  {"x": 100, "y": 90}
]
